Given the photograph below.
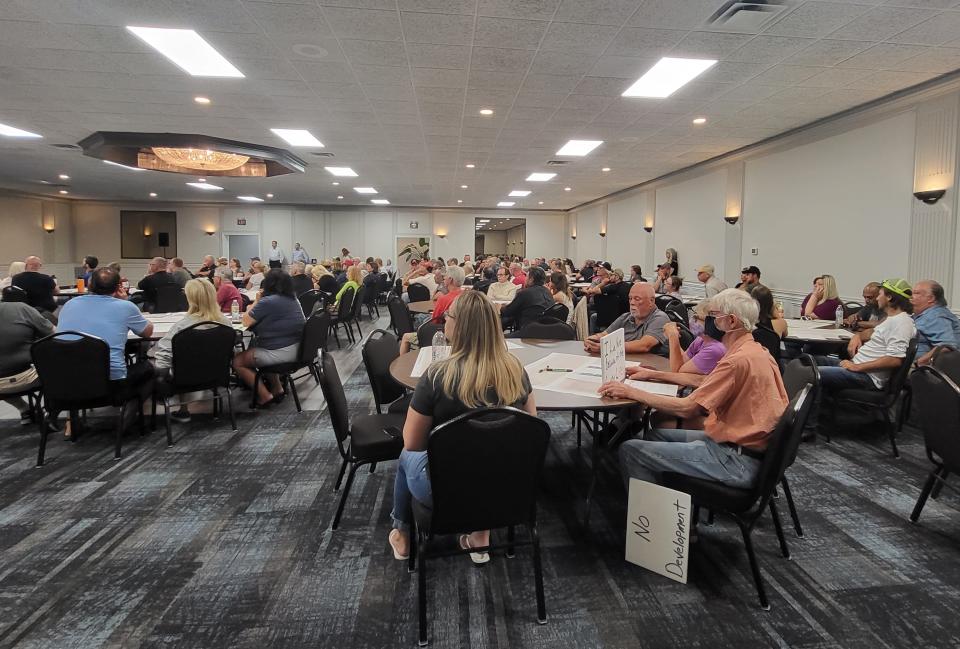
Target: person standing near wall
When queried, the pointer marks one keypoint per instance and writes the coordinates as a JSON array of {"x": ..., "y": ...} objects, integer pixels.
[{"x": 275, "y": 256}]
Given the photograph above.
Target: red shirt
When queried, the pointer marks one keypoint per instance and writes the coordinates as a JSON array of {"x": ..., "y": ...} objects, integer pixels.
[
  {"x": 520, "y": 279},
  {"x": 226, "y": 294},
  {"x": 443, "y": 303}
]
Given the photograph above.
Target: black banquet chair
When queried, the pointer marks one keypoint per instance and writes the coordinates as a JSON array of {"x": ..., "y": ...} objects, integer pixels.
[
  {"x": 608, "y": 309},
  {"x": 170, "y": 299},
  {"x": 308, "y": 300},
  {"x": 799, "y": 373},
  {"x": 418, "y": 293},
  {"x": 365, "y": 440},
  {"x": 74, "y": 371},
  {"x": 378, "y": 351},
  {"x": 313, "y": 339},
  {"x": 401, "y": 321},
  {"x": 484, "y": 475},
  {"x": 546, "y": 328},
  {"x": 356, "y": 312},
  {"x": 938, "y": 406},
  {"x": 342, "y": 316},
  {"x": 426, "y": 332},
  {"x": 202, "y": 357},
  {"x": 558, "y": 311},
  {"x": 746, "y": 506}
]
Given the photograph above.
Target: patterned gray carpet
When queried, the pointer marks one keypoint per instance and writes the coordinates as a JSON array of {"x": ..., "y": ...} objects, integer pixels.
[{"x": 224, "y": 541}]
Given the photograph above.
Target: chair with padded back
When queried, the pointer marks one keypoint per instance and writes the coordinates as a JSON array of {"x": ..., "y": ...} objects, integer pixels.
[
  {"x": 849, "y": 308},
  {"x": 370, "y": 298},
  {"x": 799, "y": 372},
  {"x": 357, "y": 309},
  {"x": 769, "y": 339},
  {"x": 170, "y": 299},
  {"x": 947, "y": 360},
  {"x": 202, "y": 360},
  {"x": 426, "y": 331},
  {"x": 418, "y": 293},
  {"x": 882, "y": 400},
  {"x": 937, "y": 399},
  {"x": 401, "y": 320},
  {"x": 378, "y": 351},
  {"x": 308, "y": 299},
  {"x": 74, "y": 371},
  {"x": 746, "y": 506},
  {"x": 673, "y": 307},
  {"x": 383, "y": 288},
  {"x": 312, "y": 341},
  {"x": 557, "y": 311},
  {"x": 13, "y": 294},
  {"x": 607, "y": 308},
  {"x": 547, "y": 328},
  {"x": 484, "y": 475},
  {"x": 366, "y": 439},
  {"x": 342, "y": 316}
]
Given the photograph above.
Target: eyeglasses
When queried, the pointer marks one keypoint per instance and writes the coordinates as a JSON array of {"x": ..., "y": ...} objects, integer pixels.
[{"x": 451, "y": 315}]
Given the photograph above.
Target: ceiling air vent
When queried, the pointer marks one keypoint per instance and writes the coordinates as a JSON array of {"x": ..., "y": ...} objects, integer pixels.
[
  {"x": 752, "y": 16},
  {"x": 67, "y": 147},
  {"x": 556, "y": 163},
  {"x": 322, "y": 154}
]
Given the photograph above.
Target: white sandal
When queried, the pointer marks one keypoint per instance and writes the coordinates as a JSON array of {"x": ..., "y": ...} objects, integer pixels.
[
  {"x": 391, "y": 538},
  {"x": 478, "y": 558}
]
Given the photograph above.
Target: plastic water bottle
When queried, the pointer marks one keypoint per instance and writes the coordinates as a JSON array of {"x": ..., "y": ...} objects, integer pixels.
[
  {"x": 838, "y": 316},
  {"x": 439, "y": 346},
  {"x": 235, "y": 312}
]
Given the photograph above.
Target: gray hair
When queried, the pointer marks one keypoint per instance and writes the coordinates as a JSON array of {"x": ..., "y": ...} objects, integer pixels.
[
  {"x": 456, "y": 274},
  {"x": 226, "y": 275},
  {"x": 739, "y": 303},
  {"x": 297, "y": 268}
]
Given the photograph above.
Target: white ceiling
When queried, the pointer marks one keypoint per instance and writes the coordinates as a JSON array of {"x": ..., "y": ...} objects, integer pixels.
[
  {"x": 393, "y": 88},
  {"x": 505, "y": 223}
]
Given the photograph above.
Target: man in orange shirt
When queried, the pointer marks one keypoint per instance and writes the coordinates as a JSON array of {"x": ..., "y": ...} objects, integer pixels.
[
  {"x": 742, "y": 399},
  {"x": 453, "y": 281}
]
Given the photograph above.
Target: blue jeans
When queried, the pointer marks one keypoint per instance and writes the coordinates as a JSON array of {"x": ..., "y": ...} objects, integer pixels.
[
  {"x": 833, "y": 377},
  {"x": 412, "y": 481},
  {"x": 689, "y": 452}
]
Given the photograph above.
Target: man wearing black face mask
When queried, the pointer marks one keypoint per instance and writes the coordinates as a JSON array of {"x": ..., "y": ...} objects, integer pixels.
[{"x": 742, "y": 399}]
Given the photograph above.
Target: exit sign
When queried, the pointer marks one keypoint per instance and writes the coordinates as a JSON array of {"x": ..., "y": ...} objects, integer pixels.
[
  {"x": 414, "y": 225},
  {"x": 241, "y": 221}
]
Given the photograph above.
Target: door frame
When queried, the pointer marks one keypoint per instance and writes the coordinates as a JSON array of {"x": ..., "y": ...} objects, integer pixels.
[{"x": 225, "y": 241}]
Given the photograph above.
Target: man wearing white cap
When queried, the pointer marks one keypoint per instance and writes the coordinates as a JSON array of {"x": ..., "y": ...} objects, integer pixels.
[{"x": 712, "y": 283}]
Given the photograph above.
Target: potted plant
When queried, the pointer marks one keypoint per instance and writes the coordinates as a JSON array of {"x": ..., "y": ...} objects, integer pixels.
[{"x": 415, "y": 251}]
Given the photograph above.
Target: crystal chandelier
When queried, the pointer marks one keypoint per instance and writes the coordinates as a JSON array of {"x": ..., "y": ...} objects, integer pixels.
[{"x": 201, "y": 159}]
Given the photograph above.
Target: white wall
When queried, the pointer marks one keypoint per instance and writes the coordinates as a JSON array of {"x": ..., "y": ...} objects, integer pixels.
[
  {"x": 689, "y": 219},
  {"x": 840, "y": 206},
  {"x": 626, "y": 237},
  {"x": 588, "y": 244},
  {"x": 495, "y": 242}
]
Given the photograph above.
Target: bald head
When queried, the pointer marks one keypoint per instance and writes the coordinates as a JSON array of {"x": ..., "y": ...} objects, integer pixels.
[
  {"x": 32, "y": 264},
  {"x": 642, "y": 300}
]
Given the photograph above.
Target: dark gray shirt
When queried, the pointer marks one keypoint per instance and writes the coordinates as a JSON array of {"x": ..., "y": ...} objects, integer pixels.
[
  {"x": 279, "y": 321},
  {"x": 651, "y": 326},
  {"x": 20, "y": 325}
]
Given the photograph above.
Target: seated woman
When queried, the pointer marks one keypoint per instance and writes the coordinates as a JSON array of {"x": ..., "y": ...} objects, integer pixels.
[
  {"x": 822, "y": 302},
  {"x": 256, "y": 277},
  {"x": 15, "y": 268},
  {"x": 277, "y": 319},
  {"x": 202, "y": 307},
  {"x": 353, "y": 281},
  {"x": 688, "y": 367},
  {"x": 557, "y": 285},
  {"x": 479, "y": 372},
  {"x": 771, "y": 315},
  {"x": 324, "y": 280},
  {"x": 237, "y": 269}
]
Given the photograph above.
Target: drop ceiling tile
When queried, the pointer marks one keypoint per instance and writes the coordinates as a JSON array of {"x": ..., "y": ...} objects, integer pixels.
[
  {"x": 439, "y": 78},
  {"x": 786, "y": 75},
  {"x": 337, "y": 90},
  {"x": 833, "y": 78},
  {"x": 528, "y": 9},
  {"x": 215, "y": 15},
  {"x": 539, "y": 99},
  {"x": 881, "y": 23},
  {"x": 501, "y": 81},
  {"x": 751, "y": 91},
  {"x": 324, "y": 72},
  {"x": 438, "y": 6},
  {"x": 769, "y": 49},
  {"x": 238, "y": 45},
  {"x": 709, "y": 45},
  {"x": 274, "y": 18},
  {"x": 607, "y": 86},
  {"x": 561, "y": 63},
  {"x": 816, "y": 19},
  {"x": 439, "y": 95},
  {"x": 260, "y": 68},
  {"x": 427, "y": 55},
  {"x": 584, "y": 39},
  {"x": 623, "y": 67},
  {"x": 360, "y": 52},
  {"x": 496, "y": 32},
  {"x": 643, "y": 43},
  {"x": 388, "y": 5},
  {"x": 890, "y": 80},
  {"x": 727, "y": 72},
  {"x": 597, "y": 12},
  {"x": 593, "y": 102},
  {"x": 441, "y": 29},
  {"x": 933, "y": 31},
  {"x": 551, "y": 83},
  {"x": 827, "y": 52},
  {"x": 882, "y": 56},
  {"x": 364, "y": 24},
  {"x": 379, "y": 74},
  {"x": 316, "y": 49},
  {"x": 940, "y": 60}
]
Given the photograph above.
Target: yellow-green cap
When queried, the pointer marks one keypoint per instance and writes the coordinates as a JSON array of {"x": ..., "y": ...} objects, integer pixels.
[{"x": 899, "y": 286}]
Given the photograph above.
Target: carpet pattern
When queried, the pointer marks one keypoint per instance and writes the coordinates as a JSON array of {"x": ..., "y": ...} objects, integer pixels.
[{"x": 223, "y": 540}]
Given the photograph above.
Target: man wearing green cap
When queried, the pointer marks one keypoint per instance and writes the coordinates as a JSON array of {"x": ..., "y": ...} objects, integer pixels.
[{"x": 873, "y": 360}]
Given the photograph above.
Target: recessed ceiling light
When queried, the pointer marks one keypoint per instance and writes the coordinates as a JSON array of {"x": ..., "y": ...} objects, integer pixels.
[
  {"x": 520, "y": 192},
  {"x": 506, "y": 204},
  {"x": 483, "y": 220},
  {"x": 202, "y": 100},
  {"x": 250, "y": 199},
  {"x": 379, "y": 201},
  {"x": 463, "y": 186},
  {"x": 269, "y": 195},
  {"x": 538, "y": 177},
  {"x": 63, "y": 177},
  {"x": 341, "y": 171},
  {"x": 566, "y": 189},
  {"x": 297, "y": 137},
  {"x": 700, "y": 120},
  {"x": 579, "y": 147},
  {"x": 187, "y": 49},
  {"x": 486, "y": 111},
  {"x": 470, "y": 165},
  {"x": 64, "y": 191},
  {"x": 540, "y": 203},
  {"x": 206, "y": 186},
  {"x": 117, "y": 164},
  {"x": 605, "y": 169},
  {"x": 334, "y": 183},
  {"x": 459, "y": 201},
  {"x": 153, "y": 194},
  {"x": 365, "y": 190},
  {"x": 339, "y": 198},
  {"x": 667, "y": 76},
  {"x": 11, "y": 131}
]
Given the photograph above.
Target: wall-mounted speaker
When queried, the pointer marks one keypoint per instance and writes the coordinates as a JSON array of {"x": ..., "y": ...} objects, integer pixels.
[{"x": 163, "y": 239}]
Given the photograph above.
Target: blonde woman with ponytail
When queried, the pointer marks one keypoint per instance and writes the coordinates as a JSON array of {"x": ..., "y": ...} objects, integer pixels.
[{"x": 479, "y": 372}]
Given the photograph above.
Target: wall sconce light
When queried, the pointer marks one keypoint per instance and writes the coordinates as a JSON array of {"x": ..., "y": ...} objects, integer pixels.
[
  {"x": 442, "y": 236},
  {"x": 210, "y": 233},
  {"x": 573, "y": 236},
  {"x": 146, "y": 233},
  {"x": 648, "y": 228},
  {"x": 48, "y": 229},
  {"x": 732, "y": 220},
  {"x": 603, "y": 234},
  {"x": 931, "y": 196}
]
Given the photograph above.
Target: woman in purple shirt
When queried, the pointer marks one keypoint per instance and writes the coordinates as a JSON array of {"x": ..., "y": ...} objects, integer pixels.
[{"x": 822, "y": 302}]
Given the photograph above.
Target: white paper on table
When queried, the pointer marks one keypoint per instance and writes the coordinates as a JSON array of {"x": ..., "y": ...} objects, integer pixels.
[
  {"x": 425, "y": 358},
  {"x": 613, "y": 356},
  {"x": 666, "y": 389},
  {"x": 513, "y": 345},
  {"x": 583, "y": 375}
]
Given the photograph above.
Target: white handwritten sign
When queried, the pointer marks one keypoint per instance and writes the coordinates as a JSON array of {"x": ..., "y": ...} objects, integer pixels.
[
  {"x": 658, "y": 529},
  {"x": 613, "y": 356}
]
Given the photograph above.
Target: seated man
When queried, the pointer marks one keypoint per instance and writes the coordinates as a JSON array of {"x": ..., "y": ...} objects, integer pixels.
[
  {"x": 227, "y": 293},
  {"x": 711, "y": 283},
  {"x": 530, "y": 302},
  {"x": 742, "y": 399},
  {"x": 519, "y": 277},
  {"x": 453, "y": 282},
  {"x": 749, "y": 276},
  {"x": 876, "y": 352},
  {"x": 90, "y": 264},
  {"x": 40, "y": 288},
  {"x": 156, "y": 277},
  {"x": 642, "y": 325},
  {"x": 502, "y": 290},
  {"x": 660, "y": 282},
  {"x": 871, "y": 314},
  {"x": 180, "y": 274},
  {"x": 301, "y": 282},
  {"x": 937, "y": 326},
  {"x": 20, "y": 326},
  {"x": 209, "y": 268}
]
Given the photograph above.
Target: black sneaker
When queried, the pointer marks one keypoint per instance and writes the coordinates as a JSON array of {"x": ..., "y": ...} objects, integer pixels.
[{"x": 182, "y": 415}]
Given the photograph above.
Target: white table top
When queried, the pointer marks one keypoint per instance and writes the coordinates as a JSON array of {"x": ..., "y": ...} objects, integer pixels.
[
  {"x": 163, "y": 323},
  {"x": 815, "y": 331}
]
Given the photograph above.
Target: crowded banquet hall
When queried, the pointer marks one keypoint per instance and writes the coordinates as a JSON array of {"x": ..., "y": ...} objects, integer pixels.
[{"x": 479, "y": 323}]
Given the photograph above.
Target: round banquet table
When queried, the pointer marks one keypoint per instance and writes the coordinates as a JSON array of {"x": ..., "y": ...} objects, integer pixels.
[
  {"x": 426, "y": 306},
  {"x": 533, "y": 350}
]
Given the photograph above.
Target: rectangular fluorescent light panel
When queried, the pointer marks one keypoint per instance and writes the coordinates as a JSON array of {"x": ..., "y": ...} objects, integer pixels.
[
  {"x": 579, "y": 147},
  {"x": 341, "y": 171},
  {"x": 667, "y": 76},
  {"x": 483, "y": 221},
  {"x": 117, "y": 164},
  {"x": 10, "y": 131},
  {"x": 365, "y": 190},
  {"x": 250, "y": 199},
  {"x": 538, "y": 177},
  {"x": 520, "y": 192},
  {"x": 379, "y": 201},
  {"x": 206, "y": 187},
  {"x": 506, "y": 204},
  {"x": 187, "y": 49},
  {"x": 297, "y": 137}
]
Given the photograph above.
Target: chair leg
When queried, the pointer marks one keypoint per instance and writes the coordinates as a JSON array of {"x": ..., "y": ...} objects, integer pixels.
[
  {"x": 43, "y": 438},
  {"x": 754, "y": 567},
  {"x": 538, "y": 575},
  {"x": 153, "y": 412},
  {"x": 511, "y": 535},
  {"x": 343, "y": 496},
  {"x": 253, "y": 392},
  {"x": 414, "y": 546},
  {"x": 293, "y": 389},
  {"x": 166, "y": 418},
  {"x": 922, "y": 500},
  {"x": 343, "y": 469},
  {"x": 422, "y": 596},
  {"x": 891, "y": 432},
  {"x": 778, "y": 527},
  {"x": 373, "y": 467},
  {"x": 119, "y": 434},
  {"x": 233, "y": 418},
  {"x": 939, "y": 486},
  {"x": 793, "y": 509}
]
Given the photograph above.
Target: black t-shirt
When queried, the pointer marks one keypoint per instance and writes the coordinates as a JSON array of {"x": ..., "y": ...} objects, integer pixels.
[
  {"x": 301, "y": 284},
  {"x": 528, "y": 305},
  {"x": 39, "y": 289},
  {"x": 430, "y": 400},
  {"x": 150, "y": 283},
  {"x": 586, "y": 273},
  {"x": 327, "y": 284}
]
